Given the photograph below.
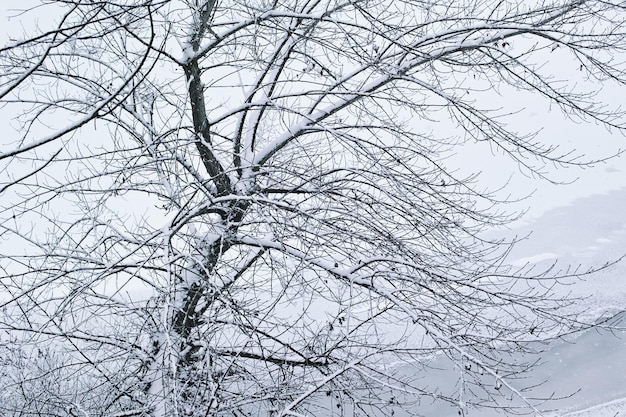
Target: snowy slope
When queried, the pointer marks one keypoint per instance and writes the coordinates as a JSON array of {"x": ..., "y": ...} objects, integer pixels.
[
  {"x": 589, "y": 231},
  {"x": 585, "y": 373},
  {"x": 615, "y": 408},
  {"x": 585, "y": 376}
]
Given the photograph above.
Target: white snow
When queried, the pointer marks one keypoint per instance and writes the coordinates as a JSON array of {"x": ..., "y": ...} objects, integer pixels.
[
  {"x": 535, "y": 258},
  {"x": 616, "y": 408},
  {"x": 588, "y": 231}
]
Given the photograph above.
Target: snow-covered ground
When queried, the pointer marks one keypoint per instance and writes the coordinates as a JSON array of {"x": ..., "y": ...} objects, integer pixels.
[
  {"x": 585, "y": 373},
  {"x": 611, "y": 409},
  {"x": 615, "y": 408},
  {"x": 588, "y": 231},
  {"x": 579, "y": 224}
]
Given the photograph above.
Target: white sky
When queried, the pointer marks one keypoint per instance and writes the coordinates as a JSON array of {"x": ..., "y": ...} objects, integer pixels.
[{"x": 587, "y": 139}]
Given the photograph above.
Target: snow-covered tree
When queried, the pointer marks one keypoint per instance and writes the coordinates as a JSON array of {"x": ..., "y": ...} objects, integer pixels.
[{"x": 246, "y": 207}]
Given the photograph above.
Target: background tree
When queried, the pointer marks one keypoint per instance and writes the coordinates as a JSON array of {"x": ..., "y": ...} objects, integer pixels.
[{"x": 232, "y": 207}]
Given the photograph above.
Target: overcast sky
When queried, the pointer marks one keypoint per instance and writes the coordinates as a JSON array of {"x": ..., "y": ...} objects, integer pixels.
[{"x": 586, "y": 139}]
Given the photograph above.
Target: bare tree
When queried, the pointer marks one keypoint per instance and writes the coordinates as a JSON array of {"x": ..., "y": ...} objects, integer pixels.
[{"x": 231, "y": 208}]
